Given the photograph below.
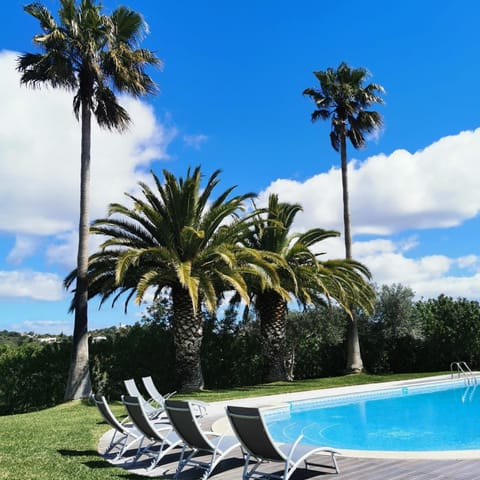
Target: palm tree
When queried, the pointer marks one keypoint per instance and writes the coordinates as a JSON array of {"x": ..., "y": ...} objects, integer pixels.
[
  {"x": 302, "y": 276},
  {"x": 343, "y": 98},
  {"x": 92, "y": 55},
  {"x": 176, "y": 240}
]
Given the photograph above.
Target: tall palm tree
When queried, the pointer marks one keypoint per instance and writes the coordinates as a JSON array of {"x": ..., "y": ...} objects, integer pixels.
[
  {"x": 302, "y": 276},
  {"x": 344, "y": 99},
  {"x": 177, "y": 240},
  {"x": 93, "y": 55}
]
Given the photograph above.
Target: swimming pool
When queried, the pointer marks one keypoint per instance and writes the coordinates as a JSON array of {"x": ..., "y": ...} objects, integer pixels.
[{"x": 434, "y": 417}]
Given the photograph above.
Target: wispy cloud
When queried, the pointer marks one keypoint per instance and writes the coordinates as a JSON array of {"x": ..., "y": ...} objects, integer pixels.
[
  {"x": 195, "y": 141},
  {"x": 24, "y": 247},
  {"x": 42, "y": 327}
]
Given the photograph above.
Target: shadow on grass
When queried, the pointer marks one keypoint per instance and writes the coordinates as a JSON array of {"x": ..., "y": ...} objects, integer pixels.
[
  {"x": 97, "y": 464},
  {"x": 131, "y": 476},
  {"x": 78, "y": 453}
]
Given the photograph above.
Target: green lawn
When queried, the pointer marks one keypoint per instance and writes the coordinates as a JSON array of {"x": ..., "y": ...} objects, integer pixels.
[{"x": 60, "y": 443}]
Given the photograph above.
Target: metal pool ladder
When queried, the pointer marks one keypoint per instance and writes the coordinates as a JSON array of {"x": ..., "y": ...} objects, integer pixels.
[{"x": 463, "y": 370}]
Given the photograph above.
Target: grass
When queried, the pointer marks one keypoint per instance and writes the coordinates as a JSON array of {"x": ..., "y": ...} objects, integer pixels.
[
  {"x": 60, "y": 442},
  {"x": 301, "y": 385}
]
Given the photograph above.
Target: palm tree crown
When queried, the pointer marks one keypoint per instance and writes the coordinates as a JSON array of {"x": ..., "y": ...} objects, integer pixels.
[
  {"x": 343, "y": 98},
  {"x": 173, "y": 237},
  {"x": 302, "y": 276},
  {"x": 92, "y": 55}
]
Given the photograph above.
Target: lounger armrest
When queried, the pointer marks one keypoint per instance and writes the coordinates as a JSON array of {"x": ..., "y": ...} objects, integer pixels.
[
  {"x": 201, "y": 406},
  {"x": 125, "y": 420},
  {"x": 170, "y": 394},
  {"x": 163, "y": 429},
  {"x": 292, "y": 449}
]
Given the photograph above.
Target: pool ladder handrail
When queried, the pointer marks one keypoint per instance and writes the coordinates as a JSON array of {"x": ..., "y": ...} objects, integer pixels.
[{"x": 462, "y": 368}]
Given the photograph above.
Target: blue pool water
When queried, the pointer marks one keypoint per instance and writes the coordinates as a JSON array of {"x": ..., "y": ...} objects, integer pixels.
[{"x": 441, "y": 417}]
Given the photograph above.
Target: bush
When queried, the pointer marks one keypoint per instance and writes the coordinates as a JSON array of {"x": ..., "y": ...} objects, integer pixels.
[
  {"x": 231, "y": 353},
  {"x": 315, "y": 342},
  {"x": 33, "y": 376},
  {"x": 137, "y": 351},
  {"x": 392, "y": 337},
  {"x": 452, "y": 332}
]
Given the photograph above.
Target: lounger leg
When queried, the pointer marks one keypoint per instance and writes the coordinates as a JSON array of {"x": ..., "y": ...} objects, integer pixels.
[
  {"x": 246, "y": 456},
  {"x": 180, "y": 462},
  {"x": 334, "y": 460},
  {"x": 120, "y": 443},
  {"x": 253, "y": 469},
  {"x": 213, "y": 464},
  {"x": 139, "y": 450},
  {"x": 183, "y": 461}
]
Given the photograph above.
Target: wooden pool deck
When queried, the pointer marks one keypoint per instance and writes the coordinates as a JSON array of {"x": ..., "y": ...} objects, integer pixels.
[{"x": 350, "y": 469}]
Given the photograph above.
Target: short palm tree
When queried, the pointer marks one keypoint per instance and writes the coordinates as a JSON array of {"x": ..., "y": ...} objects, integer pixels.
[
  {"x": 176, "y": 240},
  {"x": 302, "y": 276},
  {"x": 343, "y": 98},
  {"x": 93, "y": 55}
]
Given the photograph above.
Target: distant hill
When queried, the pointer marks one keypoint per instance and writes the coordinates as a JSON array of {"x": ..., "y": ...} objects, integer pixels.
[
  {"x": 13, "y": 338},
  {"x": 17, "y": 338}
]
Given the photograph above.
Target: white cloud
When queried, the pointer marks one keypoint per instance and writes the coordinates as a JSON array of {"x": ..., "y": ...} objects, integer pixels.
[
  {"x": 432, "y": 188},
  {"x": 29, "y": 284},
  {"x": 468, "y": 261},
  {"x": 24, "y": 247},
  {"x": 40, "y": 151},
  {"x": 427, "y": 276},
  {"x": 195, "y": 141},
  {"x": 44, "y": 327},
  {"x": 320, "y": 197}
]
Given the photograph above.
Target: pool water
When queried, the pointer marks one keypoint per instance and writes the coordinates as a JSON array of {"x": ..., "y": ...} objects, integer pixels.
[{"x": 444, "y": 417}]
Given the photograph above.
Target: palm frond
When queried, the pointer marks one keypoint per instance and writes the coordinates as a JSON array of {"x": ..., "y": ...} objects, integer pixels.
[
  {"x": 41, "y": 13},
  {"x": 108, "y": 112},
  {"x": 129, "y": 26}
]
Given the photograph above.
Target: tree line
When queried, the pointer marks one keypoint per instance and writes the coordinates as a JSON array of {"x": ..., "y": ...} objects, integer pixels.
[{"x": 402, "y": 336}]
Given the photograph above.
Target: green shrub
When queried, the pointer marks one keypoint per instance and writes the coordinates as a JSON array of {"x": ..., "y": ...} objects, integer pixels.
[{"x": 33, "y": 376}]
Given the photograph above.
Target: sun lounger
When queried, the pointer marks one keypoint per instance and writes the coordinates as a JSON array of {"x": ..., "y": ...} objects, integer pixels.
[
  {"x": 257, "y": 444},
  {"x": 124, "y": 436},
  {"x": 162, "y": 435},
  {"x": 195, "y": 440}
]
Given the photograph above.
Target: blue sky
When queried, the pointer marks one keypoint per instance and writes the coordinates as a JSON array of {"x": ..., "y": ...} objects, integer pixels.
[{"x": 231, "y": 98}]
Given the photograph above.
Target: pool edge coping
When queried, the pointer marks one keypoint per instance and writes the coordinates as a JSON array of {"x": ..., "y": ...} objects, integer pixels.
[{"x": 221, "y": 425}]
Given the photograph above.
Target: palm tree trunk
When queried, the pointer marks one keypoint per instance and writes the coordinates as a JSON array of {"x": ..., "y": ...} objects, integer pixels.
[
  {"x": 79, "y": 383},
  {"x": 187, "y": 334},
  {"x": 272, "y": 310},
  {"x": 354, "y": 357},
  {"x": 346, "y": 204}
]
